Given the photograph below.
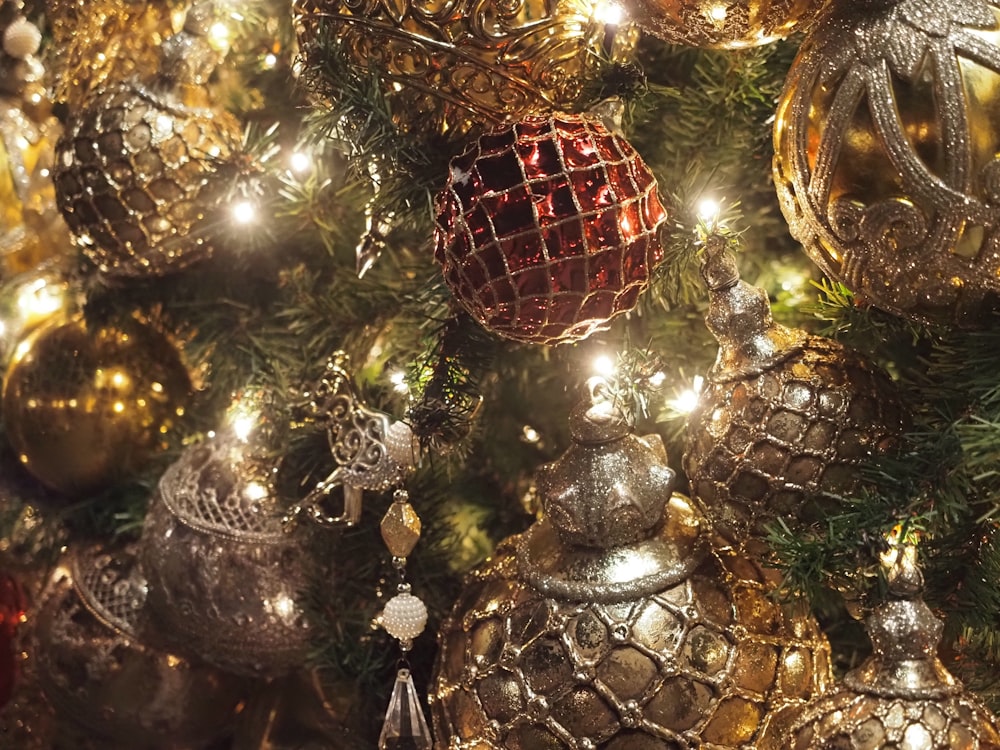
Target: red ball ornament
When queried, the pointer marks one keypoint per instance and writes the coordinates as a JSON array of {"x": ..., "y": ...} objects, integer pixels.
[{"x": 548, "y": 229}]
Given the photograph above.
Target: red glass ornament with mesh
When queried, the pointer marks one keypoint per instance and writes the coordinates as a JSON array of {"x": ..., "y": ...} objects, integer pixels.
[
  {"x": 12, "y": 607},
  {"x": 548, "y": 229}
]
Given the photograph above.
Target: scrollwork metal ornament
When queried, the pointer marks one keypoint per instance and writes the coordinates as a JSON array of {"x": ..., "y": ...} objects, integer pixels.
[
  {"x": 886, "y": 165},
  {"x": 370, "y": 450}
]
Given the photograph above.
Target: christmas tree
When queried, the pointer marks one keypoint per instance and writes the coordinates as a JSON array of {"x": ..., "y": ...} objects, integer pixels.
[{"x": 574, "y": 374}]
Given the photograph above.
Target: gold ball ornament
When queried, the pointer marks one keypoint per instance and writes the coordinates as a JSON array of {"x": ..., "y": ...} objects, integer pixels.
[
  {"x": 886, "y": 155},
  {"x": 459, "y": 68},
  {"x": 85, "y": 407},
  {"x": 96, "y": 661},
  {"x": 225, "y": 575},
  {"x": 785, "y": 420},
  {"x": 730, "y": 24},
  {"x": 901, "y": 697},
  {"x": 136, "y": 172},
  {"x": 617, "y": 622}
]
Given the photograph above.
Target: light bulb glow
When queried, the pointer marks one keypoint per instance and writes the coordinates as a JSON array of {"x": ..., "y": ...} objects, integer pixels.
[
  {"x": 718, "y": 13},
  {"x": 398, "y": 380},
  {"x": 255, "y": 491},
  {"x": 687, "y": 400},
  {"x": 708, "y": 212},
  {"x": 243, "y": 423},
  {"x": 218, "y": 36},
  {"x": 270, "y": 60},
  {"x": 603, "y": 365},
  {"x": 609, "y": 13},
  {"x": 300, "y": 162},
  {"x": 243, "y": 212}
]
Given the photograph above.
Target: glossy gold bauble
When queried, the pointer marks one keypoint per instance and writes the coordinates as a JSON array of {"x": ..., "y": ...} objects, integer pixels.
[
  {"x": 618, "y": 621},
  {"x": 224, "y": 575},
  {"x": 886, "y": 164},
  {"x": 85, "y": 407},
  {"x": 729, "y": 24},
  {"x": 785, "y": 420},
  {"x": 460, "y": 67},
  {"x": 93, "y": 659},
  {"x": 133, "y": 178},
  {"x": 31, "y": 298}
]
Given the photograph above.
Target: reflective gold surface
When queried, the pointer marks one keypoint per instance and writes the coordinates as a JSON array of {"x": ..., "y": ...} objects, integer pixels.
[
  {"x": 728, "y": 24},
  {"x": 85, "y": 407},
  {"x": 886, "y": 155},
  {"x": 455, "y": 67}
]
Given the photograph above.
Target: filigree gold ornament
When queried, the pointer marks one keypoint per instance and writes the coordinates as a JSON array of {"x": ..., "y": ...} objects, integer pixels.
[
  {"x": 618, "y": 620},
  {"x": 454, "y": 68},
  {"x": 370, "y": 451},
  {"x": 137, "y": 169},
  {"x": 100, "y": 668},
  {"x": 726, "y": 24},
  {"x": 886, "y": 160},
  {"x": 902, "y": 696},
  {"x": 225, "y": 575},
  {"x": 785, "y": 420}
]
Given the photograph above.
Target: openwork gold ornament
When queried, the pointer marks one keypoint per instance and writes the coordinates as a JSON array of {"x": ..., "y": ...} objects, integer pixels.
[
  {"x": 99, "y": 672},
  {"x": 618, "y": 621},
  {"x": 369, "y": 450},
  {"x": 731, "y": 24},
  {"x": 886, "y": 155},
  {"x": 456, "y": 67},
  {"x": 786, "y": 419}
]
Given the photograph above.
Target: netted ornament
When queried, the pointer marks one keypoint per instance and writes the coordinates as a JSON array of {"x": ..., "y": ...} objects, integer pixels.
[
  {"x": 86, "y": 406},
  {"x": 452, "y": 70},
  {"x": 732, "y": 24},
  {"x": 224, "y": 574},
  {"x": 549, "y": 229},
  {"x": 137, "y": 169},
  {"x": 617, "y": 621},
  {"x": 786, "y": 419},
  {"x": 901, "y": 697},
  {"x": 92, "y": 654},
  {"x": 886, "y": 155}
]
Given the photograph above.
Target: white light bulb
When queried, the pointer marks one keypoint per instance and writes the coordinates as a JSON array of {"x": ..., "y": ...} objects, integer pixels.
[
  {"x": 609, "y": 13},
  {"x": 708, "y": 211},
  {"x": 243, "y": 212},
  {"x": 300, "y": 162},
  {"x": 604, "y": 365}
]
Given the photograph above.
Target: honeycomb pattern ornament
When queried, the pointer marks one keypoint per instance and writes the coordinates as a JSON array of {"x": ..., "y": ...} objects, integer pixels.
[
  {"x": 457, "y": 69},
  {"x": 657, "y": 637},
  {"x": 902, "y": 696},
  {"x": 886, "y": 159},
  {"x": 100, "y": 668},
  {"x": 137, "y": 167},
  {"x": 224, "y": 574},
  {"x": 734, "y": 24},
  {"x": 785, "y": 420}
]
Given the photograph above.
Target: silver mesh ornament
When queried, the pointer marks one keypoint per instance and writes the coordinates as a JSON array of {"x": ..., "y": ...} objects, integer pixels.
[
  {"x": 95, "y": 661},
  {"x": 578, "y": 634},
  {"x": 224, "y": 575}
]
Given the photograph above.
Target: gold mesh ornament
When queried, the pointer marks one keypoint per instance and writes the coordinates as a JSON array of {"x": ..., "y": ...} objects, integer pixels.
[
  {"x": 135, "y": 166},
  {"x": 886, "y": 143},
  {"x": 729, "y": 24},
  {"x": 785, "y": 420},
  {"x": 455, "y": 68},
  {"x": 618, "y": 622}
]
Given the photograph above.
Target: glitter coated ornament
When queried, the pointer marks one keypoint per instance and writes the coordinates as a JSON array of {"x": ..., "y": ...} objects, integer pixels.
[
  {"x": 901, "y": 697},
  {"x": 785, "y": 420},
  {"x": 886, "y": 155},
  {"x": 137, "y": 166},
  {"x": 616, "y": 621},
  {"x": 98, "y": 667},
  {"x": 84, "y": 407},
  {"x": 224, "y": 575},
  {"x": 548, "y": 229},
  {"x": 732, "y": 24},
  {"x": 454, "y": 70}
]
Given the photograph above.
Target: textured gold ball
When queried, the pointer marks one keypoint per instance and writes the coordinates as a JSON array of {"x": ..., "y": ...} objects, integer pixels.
[
  {"x": 730, "y": 24},
  {"x": 85, "y": 407},
  {"x": 457, "y": 68},
  {"x": 708, "y": 660},
  {"x": 886, "y": 162},
  {"x": 788, "y": 439},
  {"x": 134, "y": 177}
]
